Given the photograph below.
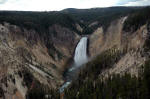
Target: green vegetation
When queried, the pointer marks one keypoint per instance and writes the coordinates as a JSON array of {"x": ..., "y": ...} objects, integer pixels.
[
  {"x": 103, "y": 61},
  {"x": 36, "y": 90},
  {"x": 40, "y": 21},
  {"x": 137, "y": 19},
  {"x": 27, "y": 77},
  {"x": 1, "y": 92},
  {"x": 147, "y": 42},
  {"x": 40, "y": 91},
  {"x": 52, "y": 51},
  {"x": 87, "y": 30},
  {"x": 112, "y": 14},
  {"x": 90, "y": 15},
  {"x": 104, "y": 16},
  {"x": 90, "y": 86},
  {"x": 90, "y": 73}
]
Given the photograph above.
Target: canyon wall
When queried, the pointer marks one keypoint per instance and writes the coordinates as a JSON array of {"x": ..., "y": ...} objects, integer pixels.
[
  {"x": 27, "y": 58},
  {"x": 130, "y": 42}
]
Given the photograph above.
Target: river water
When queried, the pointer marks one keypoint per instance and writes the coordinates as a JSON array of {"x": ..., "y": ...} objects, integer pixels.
[{"x": 80, "y": 57}]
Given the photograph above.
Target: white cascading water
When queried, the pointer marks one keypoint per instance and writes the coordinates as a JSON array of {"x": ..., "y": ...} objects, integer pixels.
[{"x": 80, "y": 57}]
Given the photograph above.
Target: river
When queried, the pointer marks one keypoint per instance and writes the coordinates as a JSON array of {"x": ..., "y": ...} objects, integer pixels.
[{"x": 80, "y": 58}]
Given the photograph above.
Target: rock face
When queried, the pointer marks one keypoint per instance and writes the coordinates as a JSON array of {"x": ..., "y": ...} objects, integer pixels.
[
  {"x": 25, "y": 57},
  {"x": 30, "y": 57},
  {"x": 115, "y": 37},
  {"x": 100, "y": 40},
  {"x": 64, "y": 40}
]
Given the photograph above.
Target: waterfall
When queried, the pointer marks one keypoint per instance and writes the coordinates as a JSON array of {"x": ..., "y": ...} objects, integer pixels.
[{"x": 80, "y": 57}]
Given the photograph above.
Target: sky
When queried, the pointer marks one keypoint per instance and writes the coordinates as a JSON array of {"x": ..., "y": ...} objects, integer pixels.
[{"x": 56, "y": 5}]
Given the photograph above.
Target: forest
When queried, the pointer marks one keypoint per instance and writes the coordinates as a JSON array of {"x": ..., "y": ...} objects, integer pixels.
[
  {"x": 89, "y": 84},
  {"x": 137, "y": 19},
  {"x": 41, "y": 21},
  {"x": 114, "y": 87}
]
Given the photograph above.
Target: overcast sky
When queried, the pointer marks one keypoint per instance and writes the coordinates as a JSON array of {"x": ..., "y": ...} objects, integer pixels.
[{"x": 51, "y": 5}]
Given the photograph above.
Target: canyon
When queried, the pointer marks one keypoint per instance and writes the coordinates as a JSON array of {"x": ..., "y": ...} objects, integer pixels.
[{"x": 47, "y": 54}]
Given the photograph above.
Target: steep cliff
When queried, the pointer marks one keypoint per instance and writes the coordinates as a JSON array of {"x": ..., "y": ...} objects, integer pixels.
[
  {"x": 116, "y": 37},
  {"x": 27, "y": 58},
  {"x": 36, "y": 48},
  {"x": 119, "y": 65}
]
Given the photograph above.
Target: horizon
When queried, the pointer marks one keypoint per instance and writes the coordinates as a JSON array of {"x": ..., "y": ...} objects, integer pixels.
[
  {"x": 74, "y": 8},
  {"x": 57, "y": 5}
]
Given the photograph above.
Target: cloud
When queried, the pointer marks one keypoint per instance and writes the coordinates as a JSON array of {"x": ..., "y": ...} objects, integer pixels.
[
  {"x": 50, "y": 5},
  {"x": 138, "y": 3},
  {"x": 2, "y": 1},
  {"x": 132, "y": 2}
]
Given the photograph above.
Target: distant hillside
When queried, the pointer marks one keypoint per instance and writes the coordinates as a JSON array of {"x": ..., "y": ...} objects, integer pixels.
[
  {"x": 102, "y": 16},
  {"x": 40, "y": 21},
  {"x": 36, "y": 48},
  {"x": 137, "y": 19},
  {"x": 88, "y": 15},
  {"x": 121, "y": 70}
]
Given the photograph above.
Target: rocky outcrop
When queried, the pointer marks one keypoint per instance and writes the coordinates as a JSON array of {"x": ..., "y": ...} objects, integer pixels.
[
  {"x": 26, "y": 57},
  {"x": 100, "y": 40},
  {"x": 130, "y": 43},
  {"x": 64, "y": 40}
]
